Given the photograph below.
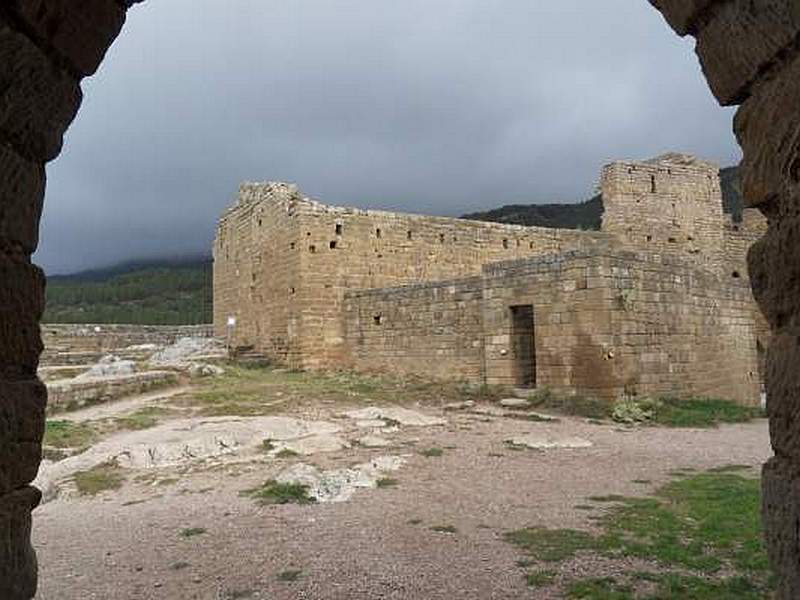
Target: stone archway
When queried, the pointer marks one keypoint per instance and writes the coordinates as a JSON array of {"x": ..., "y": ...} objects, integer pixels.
[{"x": 750, "y": 52}]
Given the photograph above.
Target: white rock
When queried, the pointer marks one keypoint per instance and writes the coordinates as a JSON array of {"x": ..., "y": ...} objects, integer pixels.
[
  {"x": 374, "y": 441},
  {"x": 514, "y": 402},
  {"x": 459, "y": 405},
  {"x": 403, "y": 416},
  {"x": 543, "y": 442},
  {"x": 370, "y": 423},
  {"x": 108, "y": 366},
  {"x": 184, "y": 349},
  {"x": 313, "y": 444},
  {"x": 338, "y": 485}
]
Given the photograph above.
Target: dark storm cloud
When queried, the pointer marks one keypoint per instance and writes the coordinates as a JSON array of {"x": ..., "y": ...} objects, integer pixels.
[{"x": 434, "y": 106}]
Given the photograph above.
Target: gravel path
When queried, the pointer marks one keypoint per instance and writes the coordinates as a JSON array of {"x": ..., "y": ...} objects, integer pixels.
[{"x": 127, "y": 544}]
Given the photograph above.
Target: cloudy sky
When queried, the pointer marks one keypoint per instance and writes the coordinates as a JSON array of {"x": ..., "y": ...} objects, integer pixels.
[{"x": 432, "y": 106}]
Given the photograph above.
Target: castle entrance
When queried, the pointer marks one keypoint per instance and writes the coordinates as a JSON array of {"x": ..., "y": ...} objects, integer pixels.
[{"x": 523, "y": 346}]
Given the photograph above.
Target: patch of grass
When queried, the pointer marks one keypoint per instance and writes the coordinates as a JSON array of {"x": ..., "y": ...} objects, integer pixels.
[
  {"x": 702, "y": 412},
  {"x": 444, "y": 529},
  {"x": 386, "y": 482},
  {"x": 265, "y": 390},
  {"x": 66, "y": 434},
  {"x": 273, "y": 492},
  {"x": 144, "y": 418},
  {"x": 599, "y": 588},
  {"x": 103, "y": 477},
  {"x": 432, "y": 452},
  {"x": 289, "y": 575},
  {"x": 698, "y": 528},
  {"x": 190, "y": 532},
  {"x": 540, "y": 578},
  {"x": 552, "y": 545},
  {"x": 287, "y": 453},
  {"x": 267, "y": 445}
]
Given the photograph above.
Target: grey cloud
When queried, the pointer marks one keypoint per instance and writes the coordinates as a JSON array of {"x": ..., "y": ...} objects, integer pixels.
[{"x": 434, "y": 106}]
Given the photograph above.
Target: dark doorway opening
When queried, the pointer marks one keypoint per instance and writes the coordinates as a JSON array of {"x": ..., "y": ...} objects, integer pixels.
[{"x": 523, "y": 346}]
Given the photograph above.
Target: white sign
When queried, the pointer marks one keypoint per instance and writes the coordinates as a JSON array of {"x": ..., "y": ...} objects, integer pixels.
[{"x": 231, "y": 321}]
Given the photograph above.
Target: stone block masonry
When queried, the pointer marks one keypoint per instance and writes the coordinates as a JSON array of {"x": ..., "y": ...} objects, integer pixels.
[
  {"x": 604, "y": 323},
  {"x": 655, "y": 303}
]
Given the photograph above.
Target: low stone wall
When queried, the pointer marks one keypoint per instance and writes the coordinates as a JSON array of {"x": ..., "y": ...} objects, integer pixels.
[
  {"x": 69, "y": 394},
  {"x": 605, "y": 323},
  {"x": 66, "y": 344}
]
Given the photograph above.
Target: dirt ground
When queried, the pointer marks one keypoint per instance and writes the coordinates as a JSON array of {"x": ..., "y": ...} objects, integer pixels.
[{"x": 128, "y": 543}]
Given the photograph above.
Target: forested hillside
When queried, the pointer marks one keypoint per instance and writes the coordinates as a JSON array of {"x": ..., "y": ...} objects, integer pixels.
[{"x": 165, "y": 292}]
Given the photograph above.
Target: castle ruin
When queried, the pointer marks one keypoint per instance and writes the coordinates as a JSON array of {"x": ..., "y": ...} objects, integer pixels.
[{"x": 656, "y": 303}]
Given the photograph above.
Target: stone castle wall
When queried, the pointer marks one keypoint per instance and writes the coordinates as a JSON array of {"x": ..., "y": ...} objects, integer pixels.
[
  {"x": 606, "y": 323},
  {"x": 282, "y": 264}
]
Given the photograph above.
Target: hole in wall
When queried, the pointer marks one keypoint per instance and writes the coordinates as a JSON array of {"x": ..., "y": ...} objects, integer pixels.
[
  {"x": 505, "y": 243},
  {"x": 291, "y": 245},
  {"x": 672, "y": 240},
  {"x": 736, "y": 275},
  {"x": 441, "y": 238},
  {"x": 378, "y": 233},
  {"x": 649, "y": 238},
  {"x": 312, "y": 248},
  {"x": 409, "y": 235},
  {"x": 338, "y": 229},
  {"x": 377, "y": 319},
  {"x": 333, "y": 244},
  {"x": 653, "y": 184}
]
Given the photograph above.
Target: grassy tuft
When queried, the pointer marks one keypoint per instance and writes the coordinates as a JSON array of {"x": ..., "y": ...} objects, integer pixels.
[
  {"x": 273, "y": 492},
  {"x": 287, "y": 453},
  {"x": 144, "y": 418},
  {"x": 540, "y": 578},
  {"x": 432, "y": 452},
  {"x": 103, "y": 477},
  {"x": 386, "y": 482},
  {"x": 67, "y": 434},
  {"x": 444, "y": 529},
  {"x": 190, "y": 532},
  {"x": 289, "y": 575}
]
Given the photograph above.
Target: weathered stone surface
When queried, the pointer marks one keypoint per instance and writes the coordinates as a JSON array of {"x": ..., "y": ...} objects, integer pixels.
[
  {"x": 38, "y": 100},
  {"x": 775, "y": 272},
  {"x": 80, "y": 31},
  {"x": 17, "y": 558},
  {"x": 545, "y": 442},
  {"x": 22, "y": 409},
  {"x": 781, "y": 510},
  {"x": 768, "y": 129},
  {"x": 339, "y": 485},
  {"x": 681, "y": 14},
  {"x": 515, "y": 403},
  {"x": 21, "y": 198},
  {"x": 783, "y": 394},
  {"x": 743, "y": 38},
  {"x": 21, "y": 306}
]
